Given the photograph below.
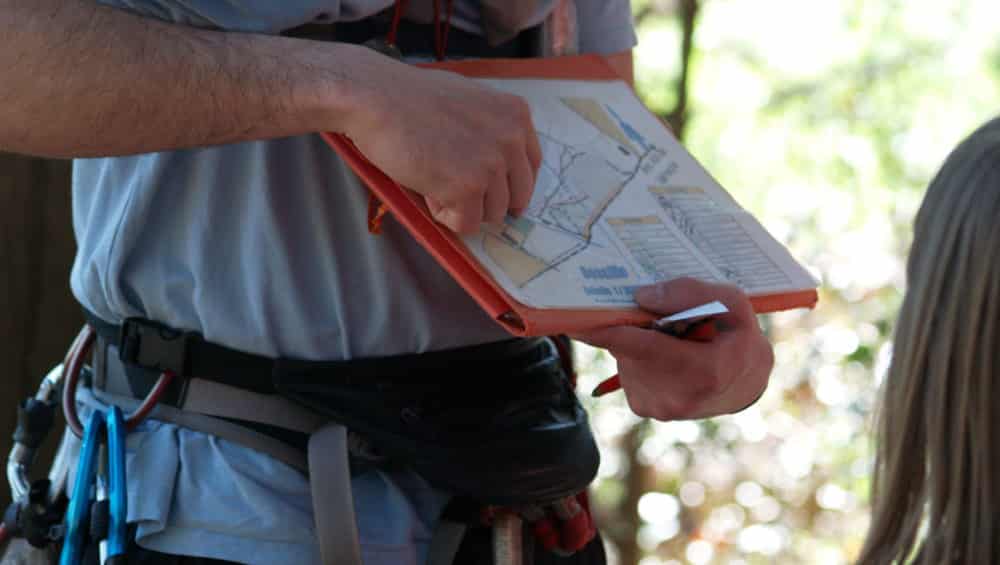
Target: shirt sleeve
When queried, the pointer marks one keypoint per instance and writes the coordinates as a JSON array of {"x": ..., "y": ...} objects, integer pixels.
[{"x": 605, "y": 26}]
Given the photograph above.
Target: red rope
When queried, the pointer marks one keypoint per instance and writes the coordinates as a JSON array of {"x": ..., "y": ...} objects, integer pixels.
[
  {"x": 75, "y": 358},
  {"x": 152, "y": 399},
  {"x": 4, "y": 534},
  {"x": 441, "y": 28},
  {"x": 397, "y": 16}
]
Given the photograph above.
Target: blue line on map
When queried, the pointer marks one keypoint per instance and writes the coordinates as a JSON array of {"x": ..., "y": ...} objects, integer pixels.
[{"x": 630, "y": 131}]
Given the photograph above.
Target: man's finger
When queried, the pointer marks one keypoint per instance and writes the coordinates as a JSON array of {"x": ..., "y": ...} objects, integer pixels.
[
  {"x": 522, "y": 183},
  {"x": 496, "y": 201},
  {"x": 463, "y": 217},
  {"x": 680, "y": 294},
  {"x": 534, "y": 152},
  {"x": 433, "y": 206}
]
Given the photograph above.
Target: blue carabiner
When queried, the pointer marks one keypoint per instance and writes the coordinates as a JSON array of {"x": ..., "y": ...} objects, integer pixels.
[
  {"x": 117, "y": 490},
  {"x": 82, "y": 498}
]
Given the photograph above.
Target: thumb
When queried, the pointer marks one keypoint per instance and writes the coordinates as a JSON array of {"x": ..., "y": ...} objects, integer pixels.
[
  {"x": 680, "y": 294},
  {"x": 672, "y": 296}
]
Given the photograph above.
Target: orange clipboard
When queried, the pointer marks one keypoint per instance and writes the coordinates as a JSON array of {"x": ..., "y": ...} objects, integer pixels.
[{"x": 451, "y": 253}]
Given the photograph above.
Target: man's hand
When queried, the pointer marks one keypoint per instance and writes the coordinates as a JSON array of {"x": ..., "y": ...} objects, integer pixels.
[
  {"x": 471, "y": 150},
  {"x": 672, "y": 379}
]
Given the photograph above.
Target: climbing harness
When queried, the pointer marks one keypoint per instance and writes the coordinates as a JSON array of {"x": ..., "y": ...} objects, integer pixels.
[{"x": 506, "y": 411}]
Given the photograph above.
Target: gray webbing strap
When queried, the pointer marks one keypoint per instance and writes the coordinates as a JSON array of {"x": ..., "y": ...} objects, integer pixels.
[
  {"x": 211, "y": 398},
  {"x": 205, "y": 424},
  {"x": 326, "y": 463},
  {"x": 333, "y": 504},
  {"x": 508, "y": 541},
  {"x": 327, "y": 460},
  {"x": 445, "y": 542},
  {"x": 216, "y": 399}
]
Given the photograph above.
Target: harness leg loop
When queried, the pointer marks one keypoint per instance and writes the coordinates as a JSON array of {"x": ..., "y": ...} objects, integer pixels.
[{"x": 333, "y": 503}]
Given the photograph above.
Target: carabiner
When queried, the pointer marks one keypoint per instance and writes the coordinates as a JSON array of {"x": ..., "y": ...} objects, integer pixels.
[
  {"x": 81, "y": 499},
  {"x": 101, "y": 427},
  {"x": 117, "y": 490}
]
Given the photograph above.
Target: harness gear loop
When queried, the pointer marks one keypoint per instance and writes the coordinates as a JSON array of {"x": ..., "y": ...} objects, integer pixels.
[{"x": 75, "y": 358}]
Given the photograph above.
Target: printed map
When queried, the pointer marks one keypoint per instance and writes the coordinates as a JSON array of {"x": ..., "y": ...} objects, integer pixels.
[{"x": 619, "y": 204}]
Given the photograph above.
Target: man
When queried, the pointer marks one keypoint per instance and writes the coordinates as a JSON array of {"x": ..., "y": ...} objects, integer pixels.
[{"x": 201, "y": 202}]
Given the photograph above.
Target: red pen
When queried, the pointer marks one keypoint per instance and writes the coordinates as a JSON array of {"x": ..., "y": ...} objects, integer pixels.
[{"x": 696, "y": 324}]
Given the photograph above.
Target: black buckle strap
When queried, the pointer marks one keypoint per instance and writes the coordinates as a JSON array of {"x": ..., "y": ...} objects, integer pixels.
[{"x": 155, "y": 346}]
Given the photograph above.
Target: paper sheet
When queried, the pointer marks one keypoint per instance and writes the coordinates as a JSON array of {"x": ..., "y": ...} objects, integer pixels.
[{"x": 618, "y": 204}]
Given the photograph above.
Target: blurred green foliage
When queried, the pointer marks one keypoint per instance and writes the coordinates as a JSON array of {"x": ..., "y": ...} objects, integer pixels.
[{"x": 826, "y": 120}]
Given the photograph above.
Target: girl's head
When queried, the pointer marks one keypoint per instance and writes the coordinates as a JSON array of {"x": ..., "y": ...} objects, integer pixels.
[{"x": 936, "y": 491}]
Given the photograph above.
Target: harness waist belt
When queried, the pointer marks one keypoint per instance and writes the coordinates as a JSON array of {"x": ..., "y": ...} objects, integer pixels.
[
  {"x": 496, "y": 424},
  {"x": 148, "y": 348}
]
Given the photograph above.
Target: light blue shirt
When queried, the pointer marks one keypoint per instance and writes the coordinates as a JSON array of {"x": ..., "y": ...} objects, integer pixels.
[{"x": 262, "y": 246}]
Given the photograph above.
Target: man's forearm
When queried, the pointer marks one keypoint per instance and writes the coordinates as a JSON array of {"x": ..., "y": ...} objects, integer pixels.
[{"x": 80, "y": 79}]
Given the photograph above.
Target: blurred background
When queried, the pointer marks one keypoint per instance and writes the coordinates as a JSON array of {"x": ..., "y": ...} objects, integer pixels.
[{"x": 826, "y": 120}]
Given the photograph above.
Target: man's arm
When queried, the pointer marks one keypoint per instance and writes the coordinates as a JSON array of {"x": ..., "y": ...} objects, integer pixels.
[{"x": 81, "y": 79}]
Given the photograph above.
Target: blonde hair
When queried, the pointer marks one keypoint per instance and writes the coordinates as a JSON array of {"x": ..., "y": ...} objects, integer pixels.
[{"x": 934, "y": 493}]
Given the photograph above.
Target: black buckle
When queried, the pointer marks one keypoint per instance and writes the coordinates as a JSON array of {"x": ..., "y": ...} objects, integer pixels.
[{"x": 154, "y": 346}]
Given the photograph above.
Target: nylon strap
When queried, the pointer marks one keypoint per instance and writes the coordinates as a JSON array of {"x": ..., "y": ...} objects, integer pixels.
[
  {"x": 201, "y": 423},
  {"x": 333, "y": 503},
  {"x": 326, "y": 463}
]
